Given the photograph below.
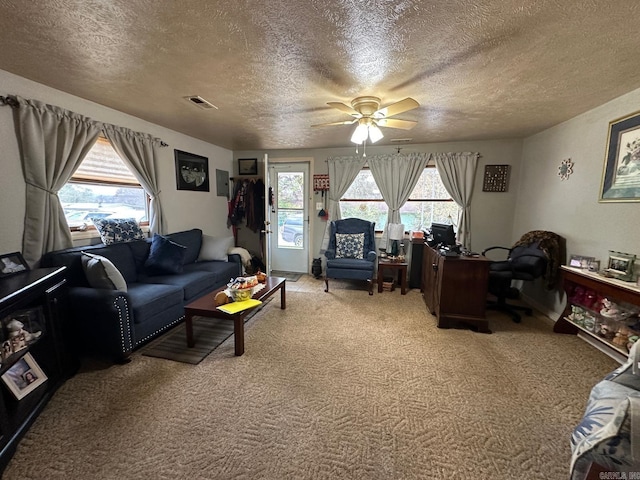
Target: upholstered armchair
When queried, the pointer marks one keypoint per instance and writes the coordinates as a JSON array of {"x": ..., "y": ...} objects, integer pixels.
[{"x": 351, "y": 253}]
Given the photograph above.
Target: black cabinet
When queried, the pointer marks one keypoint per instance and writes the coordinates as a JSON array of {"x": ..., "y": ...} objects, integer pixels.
[{"x": 44, "y": 292}]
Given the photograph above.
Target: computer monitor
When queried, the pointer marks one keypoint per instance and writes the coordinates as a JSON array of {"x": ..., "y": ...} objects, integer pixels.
[{"x": 443, "y": 234}]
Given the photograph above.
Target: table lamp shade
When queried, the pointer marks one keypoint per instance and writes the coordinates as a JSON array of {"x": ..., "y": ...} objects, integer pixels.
[{"x": 396, "y": 231}]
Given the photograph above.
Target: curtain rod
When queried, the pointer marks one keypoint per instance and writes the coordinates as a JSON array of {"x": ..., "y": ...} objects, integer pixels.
[{"x": 12, "y": 101}]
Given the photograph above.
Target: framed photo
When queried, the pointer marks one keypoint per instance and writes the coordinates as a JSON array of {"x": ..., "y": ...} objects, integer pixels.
[
  {"x": 580, "y": 261},
  {"x": 11, "y": 263},
  {"x": 24, "y": 376},
  {"x": 248, "y": 166},
  {"x": 620, "y": 265},
  {"x": 192, "y": 171},
  {"x": 621, "y": 176}
]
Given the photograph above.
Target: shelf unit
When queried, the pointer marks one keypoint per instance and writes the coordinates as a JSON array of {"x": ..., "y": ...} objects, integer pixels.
[
  {"x": 43, "y": 288},
  {"x": 596, "y": 285}
]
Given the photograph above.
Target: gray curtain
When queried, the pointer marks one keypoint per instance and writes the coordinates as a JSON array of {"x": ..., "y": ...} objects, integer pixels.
[
  {"x": 53, "y": 142},
  {"x": 458, "y": 172},
  {"x": 342, "y": 172},
  {"x": 138, "y": 151},
  {"x": 396, "y": 176}
]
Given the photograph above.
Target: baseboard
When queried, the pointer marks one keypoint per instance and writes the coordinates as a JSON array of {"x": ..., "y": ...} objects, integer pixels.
[{"x": 550, "y": 315}]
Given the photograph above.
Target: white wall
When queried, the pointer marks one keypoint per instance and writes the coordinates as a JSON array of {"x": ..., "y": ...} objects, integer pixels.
[
  {"x": 182, "y": 209},
  {"x": 491, "y": 213},
  {"x": 570, "y": 207}
]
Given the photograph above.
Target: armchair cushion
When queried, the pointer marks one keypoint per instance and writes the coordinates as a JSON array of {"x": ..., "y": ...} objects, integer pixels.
[{"x": 349, "y": 245}]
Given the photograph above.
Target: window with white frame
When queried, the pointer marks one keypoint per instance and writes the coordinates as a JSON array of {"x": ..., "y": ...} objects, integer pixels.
[
  {"x": 102, "y": 187},
  {"x": 429, "y": 202}
]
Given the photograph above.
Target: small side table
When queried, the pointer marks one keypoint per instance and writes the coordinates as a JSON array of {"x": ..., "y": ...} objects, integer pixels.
[{"x": 401, "y": 267}]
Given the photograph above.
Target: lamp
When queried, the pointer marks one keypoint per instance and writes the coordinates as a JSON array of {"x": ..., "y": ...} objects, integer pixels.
[{"x": 395, "y": 233}]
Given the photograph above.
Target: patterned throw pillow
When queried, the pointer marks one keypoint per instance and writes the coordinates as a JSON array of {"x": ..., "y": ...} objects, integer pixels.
[
  {"x": 350, "y": 245},
  {"x": 116, "y": 230}
]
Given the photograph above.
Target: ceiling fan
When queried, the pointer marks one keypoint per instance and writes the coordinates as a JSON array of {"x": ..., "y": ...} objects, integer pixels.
[{"x": 369, "y": 116}]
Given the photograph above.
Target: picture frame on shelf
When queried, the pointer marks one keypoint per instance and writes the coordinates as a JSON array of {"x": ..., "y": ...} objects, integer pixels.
[
  {"x": 247, "y": 166},
  {"x": 621, "y": 175},
  {"x": 192, "y": 171},
  {"x": 580, "y": 261},
  {"x": 11, "y": 263},
  {"x": 620, "y": 266},
  {"x": 24, "y": 376}
]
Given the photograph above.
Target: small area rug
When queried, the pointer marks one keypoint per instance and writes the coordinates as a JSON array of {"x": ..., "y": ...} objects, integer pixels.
[
  {"x": 290, "y": 276},
  {"x": 209, "y": 333}
]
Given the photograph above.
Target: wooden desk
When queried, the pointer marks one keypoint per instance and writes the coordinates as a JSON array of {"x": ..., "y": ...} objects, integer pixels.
[
  {"x": 455, "y": 289},
  {"x": 401, "y": 267}
]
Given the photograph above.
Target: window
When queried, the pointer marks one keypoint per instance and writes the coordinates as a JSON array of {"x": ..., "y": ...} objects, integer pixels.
[
  {"x": 429, "y": 202},
  {"x": 103, "y": 187}
]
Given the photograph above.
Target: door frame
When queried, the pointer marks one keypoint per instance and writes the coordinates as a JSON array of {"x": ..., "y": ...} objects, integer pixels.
[{"x": 311, "y": 206}]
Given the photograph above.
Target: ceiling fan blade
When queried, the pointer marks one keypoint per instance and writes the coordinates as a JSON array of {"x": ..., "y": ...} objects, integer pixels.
[
  {"x": 396, "y": 123},
  {"x": 346, "y": 122},
  {"x": 396, "y": 108},
  {"x": 344, "y": 108}
]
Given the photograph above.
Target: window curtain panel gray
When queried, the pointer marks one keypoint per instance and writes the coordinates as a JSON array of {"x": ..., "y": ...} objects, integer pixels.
[
  {"x": 138, "y": 151},
  {"x": 53, "y": 142},
  {"x": 457, "y": 172},
  {"x": 342, "y": 173},
  {"x": 396, "y": 176}
]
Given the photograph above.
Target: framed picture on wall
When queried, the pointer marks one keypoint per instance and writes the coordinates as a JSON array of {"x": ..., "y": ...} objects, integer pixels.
[
  {"x": 621, "y": 176},
  {"x": 248, "y": 166},
  {"x": 192, "y": 171}
]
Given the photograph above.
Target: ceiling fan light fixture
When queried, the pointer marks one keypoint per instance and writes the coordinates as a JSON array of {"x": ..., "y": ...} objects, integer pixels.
[
  {"x": 375, "y": 133},
  {"x": 360, "y": 133}
]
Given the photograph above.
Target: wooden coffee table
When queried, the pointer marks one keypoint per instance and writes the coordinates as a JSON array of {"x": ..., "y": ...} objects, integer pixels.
[{"x": 205, "y": 307}]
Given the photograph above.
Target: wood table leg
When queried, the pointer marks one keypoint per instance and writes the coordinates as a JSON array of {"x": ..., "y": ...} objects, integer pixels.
[
  {"x": 403, "y": 280},
  {"x": 238, "y": 334},
  {"x": 283, "y": 296},
  {"x": 188, "y": 322},
  {"x": 380, "y": 280}
]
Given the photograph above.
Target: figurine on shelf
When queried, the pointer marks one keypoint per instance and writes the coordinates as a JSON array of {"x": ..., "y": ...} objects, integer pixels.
[
  {"x": 16, "y": 329},
  {"x": 609, "y": 309},
  {"x": 622, "y": 336}
]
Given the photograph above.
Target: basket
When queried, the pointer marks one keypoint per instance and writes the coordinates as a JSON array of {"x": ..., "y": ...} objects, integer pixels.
[{"x": 241, "y": 294}]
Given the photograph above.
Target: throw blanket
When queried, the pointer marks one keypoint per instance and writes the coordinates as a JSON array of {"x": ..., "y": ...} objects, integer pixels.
[
  {"x": 549, "y": 243},
  {"x": 244, "y": 255}
]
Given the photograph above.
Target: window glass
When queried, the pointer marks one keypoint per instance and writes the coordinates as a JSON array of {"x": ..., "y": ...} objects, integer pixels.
[
  {"x": 102, "y": 187},
  {"x": 429, "y": 202}
]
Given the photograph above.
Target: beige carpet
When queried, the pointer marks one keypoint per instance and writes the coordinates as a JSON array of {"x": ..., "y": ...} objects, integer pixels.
[{"x": 340, "y": 385}]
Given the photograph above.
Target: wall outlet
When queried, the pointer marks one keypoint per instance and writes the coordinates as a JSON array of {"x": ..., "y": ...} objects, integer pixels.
[{"x": 318, "y": 206}]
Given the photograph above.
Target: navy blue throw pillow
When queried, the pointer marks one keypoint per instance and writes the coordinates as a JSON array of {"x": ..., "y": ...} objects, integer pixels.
[{"x": 165, "y": 256}]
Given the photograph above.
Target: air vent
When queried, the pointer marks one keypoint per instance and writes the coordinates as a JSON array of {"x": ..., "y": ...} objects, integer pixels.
[
  {"x": 401, "y": 140},
  {"x": 200, "y": 102}
]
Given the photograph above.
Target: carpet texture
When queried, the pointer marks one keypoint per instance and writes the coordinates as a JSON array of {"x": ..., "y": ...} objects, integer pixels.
[{"x": 340, "y": 385}]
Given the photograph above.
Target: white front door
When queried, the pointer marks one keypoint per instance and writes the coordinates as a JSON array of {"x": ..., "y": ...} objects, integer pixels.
[{"x": 289, "y": 216}]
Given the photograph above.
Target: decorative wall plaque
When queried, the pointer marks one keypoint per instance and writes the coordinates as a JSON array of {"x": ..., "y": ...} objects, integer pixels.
[{"x": 496, "y": 178}]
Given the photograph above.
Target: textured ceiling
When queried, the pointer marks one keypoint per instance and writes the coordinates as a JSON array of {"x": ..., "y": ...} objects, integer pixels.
[{"x": 480, "y": 70}]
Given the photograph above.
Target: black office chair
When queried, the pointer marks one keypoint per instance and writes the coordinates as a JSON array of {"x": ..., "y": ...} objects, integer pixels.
[{"x": 535, "y": 255}]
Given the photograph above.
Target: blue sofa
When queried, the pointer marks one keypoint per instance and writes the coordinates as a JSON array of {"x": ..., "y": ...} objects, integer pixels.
[{"x": 113, "y": 323}]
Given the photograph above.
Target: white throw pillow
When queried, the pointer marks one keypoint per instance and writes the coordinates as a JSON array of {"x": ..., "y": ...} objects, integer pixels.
[
  {"x": 215, "y": 248},
  {"x": 101, "y": 273}
]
